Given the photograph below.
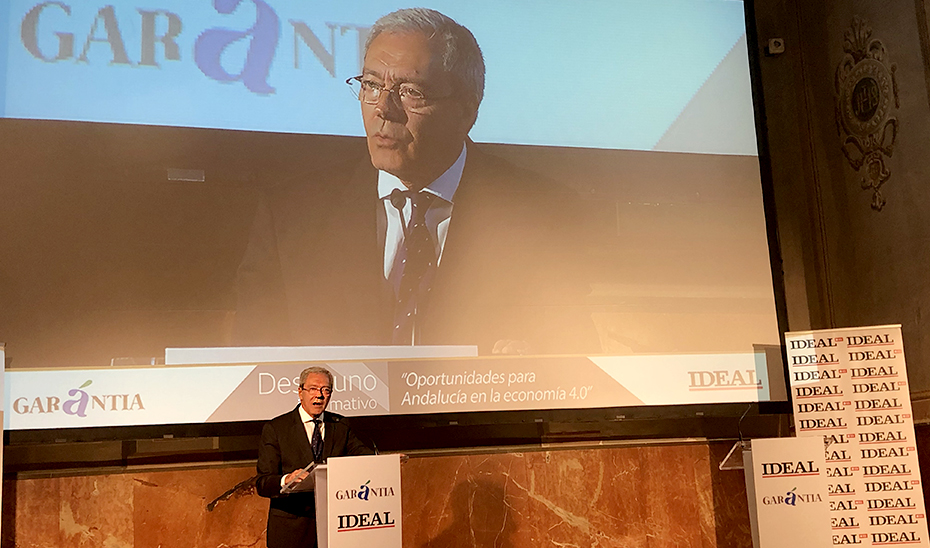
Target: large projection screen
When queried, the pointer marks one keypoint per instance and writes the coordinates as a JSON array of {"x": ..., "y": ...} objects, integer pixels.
[{"x": 176, "y": 174}]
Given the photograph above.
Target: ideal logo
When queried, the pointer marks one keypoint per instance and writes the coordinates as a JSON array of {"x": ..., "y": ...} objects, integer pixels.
[
  {"x": 814, "y": 359},
  {"x": 880, "y": 339},
  {"x": 51, "y": 23},
  {"x": 905, "y": 537},
  {"x": 799, "y": 468},
  {"x": 361, "y": 522},
  {"x": 81, "y": 403},
  {"x": 898, "y": 503},
  {"x": 802, "y": 344},
  {"x": 724, "y": 380},
  {"x": 364, "y": 492}
]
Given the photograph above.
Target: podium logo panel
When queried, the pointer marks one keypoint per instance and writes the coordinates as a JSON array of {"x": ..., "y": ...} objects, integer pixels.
[{"x": 364, "y": 500}]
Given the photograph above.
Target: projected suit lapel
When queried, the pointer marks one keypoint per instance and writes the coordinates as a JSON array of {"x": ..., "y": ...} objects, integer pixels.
[
  {"x": 470, "y": 277},
  {"x": 330, "y": 259}
]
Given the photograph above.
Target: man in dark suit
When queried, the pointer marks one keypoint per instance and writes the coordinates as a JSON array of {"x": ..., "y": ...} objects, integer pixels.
[
  {"x": 429, "y": 240},
  {"x": 288, "y": 444}
]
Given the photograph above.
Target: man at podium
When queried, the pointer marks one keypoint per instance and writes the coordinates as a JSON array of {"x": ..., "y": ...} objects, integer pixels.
[{"x": 289, "y": 443}]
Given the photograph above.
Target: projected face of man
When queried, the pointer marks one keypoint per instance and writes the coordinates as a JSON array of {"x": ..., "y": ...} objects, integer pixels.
[
  {"x": 416, "y": 147},
  {"x": 311, "y": 393}
]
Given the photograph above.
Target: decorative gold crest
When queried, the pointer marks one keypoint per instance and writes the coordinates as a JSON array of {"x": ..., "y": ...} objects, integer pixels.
[{"x": 866, "y": 97}]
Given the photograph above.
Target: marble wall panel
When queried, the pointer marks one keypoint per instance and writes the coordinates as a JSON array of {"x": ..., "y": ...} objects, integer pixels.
[
  {"x": 631, "y": 497},
  {"x": 34, "y": 507},
  {"x": 95, "y": 511},
  {"x": 624, "y": 497},
  {"x": 188, "y": 508}
]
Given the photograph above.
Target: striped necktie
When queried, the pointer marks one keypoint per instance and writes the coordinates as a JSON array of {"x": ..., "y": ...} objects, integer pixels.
[{"x": 316, "y": 441}]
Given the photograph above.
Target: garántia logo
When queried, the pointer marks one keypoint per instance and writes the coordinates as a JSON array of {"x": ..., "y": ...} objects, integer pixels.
[
  {"x": 364, "y": 492},
  {"x": 792, "y": 499},
  {"x": 80, "y": 405},
  {"x": 162, "y": 30}
]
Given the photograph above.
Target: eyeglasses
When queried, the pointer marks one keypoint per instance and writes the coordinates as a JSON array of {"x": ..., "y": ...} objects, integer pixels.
[
  {"x": 411, "y": 96},
  {"x": 325, "y": 391}
]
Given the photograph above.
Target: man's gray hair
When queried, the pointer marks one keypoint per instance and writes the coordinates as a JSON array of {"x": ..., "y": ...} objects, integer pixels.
[
  {"x": 316, "y": 370},
  {"x": 461, "y": 56}
]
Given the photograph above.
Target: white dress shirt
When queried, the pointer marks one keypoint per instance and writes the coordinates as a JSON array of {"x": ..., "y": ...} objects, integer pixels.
[
  {"x": 437, "y": 217},
  {"x": 307, "y": 419}
]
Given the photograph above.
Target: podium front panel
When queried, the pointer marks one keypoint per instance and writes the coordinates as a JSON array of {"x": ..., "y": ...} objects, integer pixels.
[{"x": 364, "y": 502}]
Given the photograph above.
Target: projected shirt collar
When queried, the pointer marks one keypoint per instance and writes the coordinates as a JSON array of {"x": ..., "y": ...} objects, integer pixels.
[
  {"x": 444, "y": 186},
  {"x": 437, "y": 218}
]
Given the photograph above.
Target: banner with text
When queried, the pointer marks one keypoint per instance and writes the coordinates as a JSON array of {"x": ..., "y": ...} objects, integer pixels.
[
  {"x": 70, "y": 398},
  {"x": 850, "y": 386}
]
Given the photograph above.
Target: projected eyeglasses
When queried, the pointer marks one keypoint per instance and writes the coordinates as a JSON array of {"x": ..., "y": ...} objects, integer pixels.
[{"x": 412, "y": 97}]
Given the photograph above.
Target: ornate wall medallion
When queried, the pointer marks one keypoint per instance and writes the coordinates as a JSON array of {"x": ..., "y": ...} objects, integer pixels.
[{"x": 866, "y": 98}]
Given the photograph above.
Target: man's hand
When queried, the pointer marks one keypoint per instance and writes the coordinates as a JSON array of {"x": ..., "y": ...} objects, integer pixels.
[
  {"x": 511, "y": 347},
  {"x": 296, "y": 475}
]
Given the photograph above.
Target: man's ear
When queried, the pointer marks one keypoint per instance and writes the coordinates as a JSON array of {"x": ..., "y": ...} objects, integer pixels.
[{"x": 469, "y": 115}]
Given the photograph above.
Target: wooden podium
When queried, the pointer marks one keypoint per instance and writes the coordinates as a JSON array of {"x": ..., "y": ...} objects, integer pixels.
[{"x": 358, "y": 502}]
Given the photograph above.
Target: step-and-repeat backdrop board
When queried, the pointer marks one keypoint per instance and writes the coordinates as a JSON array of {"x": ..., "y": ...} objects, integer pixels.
[{"x": 850, "y": 386}]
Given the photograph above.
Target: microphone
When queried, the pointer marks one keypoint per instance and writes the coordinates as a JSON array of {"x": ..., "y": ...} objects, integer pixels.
[{"x": 399, "y": 199}]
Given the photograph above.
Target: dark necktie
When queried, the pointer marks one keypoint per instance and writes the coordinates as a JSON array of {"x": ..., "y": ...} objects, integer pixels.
[
  {"x": 316, "y": 442},
  {"x": 418, "y": 263}
]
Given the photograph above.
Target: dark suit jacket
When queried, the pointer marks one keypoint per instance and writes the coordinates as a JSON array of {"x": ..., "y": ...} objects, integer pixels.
[
  {"x": 285, "y": 448},
  {"x": 313, "y": 270}
]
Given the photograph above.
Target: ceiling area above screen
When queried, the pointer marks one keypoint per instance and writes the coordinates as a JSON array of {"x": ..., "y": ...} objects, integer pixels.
[{"x": 637, "y": 75}]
